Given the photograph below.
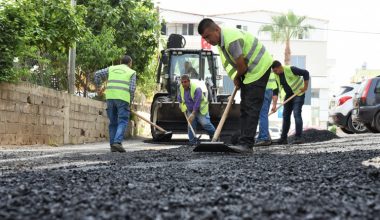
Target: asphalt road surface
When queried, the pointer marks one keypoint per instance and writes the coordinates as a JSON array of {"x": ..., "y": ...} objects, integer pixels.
[{"x": 337, "y": 179}]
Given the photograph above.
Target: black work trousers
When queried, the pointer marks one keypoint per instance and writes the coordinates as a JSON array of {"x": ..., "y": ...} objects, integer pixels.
[{"x": 252, "y": 96}]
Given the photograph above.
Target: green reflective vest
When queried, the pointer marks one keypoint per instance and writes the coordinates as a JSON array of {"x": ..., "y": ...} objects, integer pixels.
[
  {"x": 272, "y": 84},
  {"x": 203, "y": 108},
  {"x": 256, "y": 56},
  {"x": 295, "y": 82},
  {"x": 119, "y": 77}
]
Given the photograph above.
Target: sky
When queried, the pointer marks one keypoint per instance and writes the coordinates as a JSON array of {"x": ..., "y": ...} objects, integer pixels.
[{"x": 350, "y": 50}]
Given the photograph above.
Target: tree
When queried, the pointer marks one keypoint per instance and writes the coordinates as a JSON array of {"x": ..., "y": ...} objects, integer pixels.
[
  {"x": 38, "y": 34},
  {"x": 136, "y": 26},
  {"x": 94, "y": 52},
  {"x": 12, "y": 28},
  {"x": 286, "y": 27}
]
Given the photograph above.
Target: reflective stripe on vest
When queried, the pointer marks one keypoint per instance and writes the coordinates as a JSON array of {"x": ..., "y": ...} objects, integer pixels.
[
  {"x": 256, "y": 56},
  {"x": 203, "y": 108},
  {"x": 118, "y": 83}
]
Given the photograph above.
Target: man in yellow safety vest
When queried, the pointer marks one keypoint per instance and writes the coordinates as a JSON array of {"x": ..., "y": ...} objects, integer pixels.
[
  {"x": 120, "y": 90},
  {"x": 248, "y": 64},
  {"x": 194, "y": 103},
  {"x": 292, "y": 80}
]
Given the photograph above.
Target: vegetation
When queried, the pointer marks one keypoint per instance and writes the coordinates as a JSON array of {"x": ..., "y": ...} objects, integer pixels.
[
  {"x": 286, "y": 27},
  {"x": 37, "y": 34}
]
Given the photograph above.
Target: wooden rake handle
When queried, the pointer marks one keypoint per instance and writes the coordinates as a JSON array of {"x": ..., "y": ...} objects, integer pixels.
[
  {"x": 224, "y": 116},
  {"x": 188, "y": 122},
  {"x": 286, "y": 101},
  {"x": 146, "y": 120}
]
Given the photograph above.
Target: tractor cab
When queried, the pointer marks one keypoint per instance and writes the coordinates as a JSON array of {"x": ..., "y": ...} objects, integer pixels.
[{"x": 202, "y": 67}]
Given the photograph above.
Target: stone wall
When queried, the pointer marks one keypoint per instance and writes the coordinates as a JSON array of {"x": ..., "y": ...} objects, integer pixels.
[{"x": 31, "y": 114}]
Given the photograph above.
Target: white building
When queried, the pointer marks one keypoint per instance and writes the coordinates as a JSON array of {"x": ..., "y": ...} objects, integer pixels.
[{"x": 308, "y": 51}]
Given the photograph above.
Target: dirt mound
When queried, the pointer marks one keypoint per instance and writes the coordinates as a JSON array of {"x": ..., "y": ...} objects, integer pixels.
[{"x": 315, "y": 135}]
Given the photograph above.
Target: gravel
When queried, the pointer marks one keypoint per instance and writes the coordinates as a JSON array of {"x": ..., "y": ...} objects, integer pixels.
[{"x": 180, "y": 184}]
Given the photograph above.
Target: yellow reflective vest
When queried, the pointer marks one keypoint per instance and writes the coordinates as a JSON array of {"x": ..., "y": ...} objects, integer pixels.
[
  {"x": 118, "y": 83},
  {"x": 257, "y": 57},
  {"x": 203, "y": 108}
]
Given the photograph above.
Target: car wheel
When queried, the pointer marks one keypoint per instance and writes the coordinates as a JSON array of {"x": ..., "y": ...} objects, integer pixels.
[
  {"x": 370, "y": 128},
  {"x": 346, "y": 130},
  {"x": 356, "y": 127},
  {"x": 377, "y": 121}
]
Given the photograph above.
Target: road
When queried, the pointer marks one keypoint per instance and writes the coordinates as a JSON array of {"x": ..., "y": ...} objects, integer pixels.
[{"x": 336, "y": 179}]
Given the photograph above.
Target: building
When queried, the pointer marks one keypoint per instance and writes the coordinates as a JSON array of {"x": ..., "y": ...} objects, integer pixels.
[
  {"x": 308, "y": 51},
  {"x": 363, "y": 74}
]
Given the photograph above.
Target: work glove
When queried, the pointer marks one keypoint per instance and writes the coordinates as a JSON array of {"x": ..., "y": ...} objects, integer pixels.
[{"x": 191, "y": 117}]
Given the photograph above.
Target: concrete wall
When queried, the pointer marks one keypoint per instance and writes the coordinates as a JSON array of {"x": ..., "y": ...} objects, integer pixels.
[{"x": 31, "y": 114}]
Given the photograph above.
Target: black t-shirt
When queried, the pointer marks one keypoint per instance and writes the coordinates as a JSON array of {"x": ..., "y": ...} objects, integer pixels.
[{"x": 297, "y": 71}]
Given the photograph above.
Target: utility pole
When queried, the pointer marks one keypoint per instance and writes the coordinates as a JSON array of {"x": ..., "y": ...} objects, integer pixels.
[{"x": 71, "y": 62}]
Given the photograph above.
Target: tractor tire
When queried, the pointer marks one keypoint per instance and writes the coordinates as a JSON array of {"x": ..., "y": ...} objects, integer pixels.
[
  {"x": 346, "y": 130},
  {"x": 156, "y": 134},
  {"x": 356, "y": 127}
]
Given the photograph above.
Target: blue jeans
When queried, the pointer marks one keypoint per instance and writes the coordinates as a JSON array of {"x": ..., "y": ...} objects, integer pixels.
[
  {"x": 118, "y": 114},
  {"x": 263, "y": 121},
  {"x": 295, "y": 106},
  {"x": 204, "y": 120}
]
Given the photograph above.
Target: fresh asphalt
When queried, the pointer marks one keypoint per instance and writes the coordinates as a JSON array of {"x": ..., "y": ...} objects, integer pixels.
[{"x": 336, "y": 179}]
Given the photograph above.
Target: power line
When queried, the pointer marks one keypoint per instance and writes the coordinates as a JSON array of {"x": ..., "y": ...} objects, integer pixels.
[
  {"x": 323, "y": 29},
  {"x": 268, "y": 23}
]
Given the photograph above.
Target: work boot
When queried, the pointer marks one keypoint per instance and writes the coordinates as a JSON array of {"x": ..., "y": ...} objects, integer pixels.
[
  {"x": 263, "y": 143},
  {"x": 281, "y": 141},
  {"x": 117, "y": 147},
  {"x": 241, "y": 148},
  {"x": 298, "y": 140}
]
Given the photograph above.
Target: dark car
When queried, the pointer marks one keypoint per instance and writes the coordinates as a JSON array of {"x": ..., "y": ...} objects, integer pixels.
[{"x": 367, "y": 104}]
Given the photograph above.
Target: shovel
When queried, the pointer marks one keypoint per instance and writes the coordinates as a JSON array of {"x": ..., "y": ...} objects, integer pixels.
[
  {"x": 192, "y": 130},
  {"x": 166, "y": 135},
  {"x": 215, "y": 146}
]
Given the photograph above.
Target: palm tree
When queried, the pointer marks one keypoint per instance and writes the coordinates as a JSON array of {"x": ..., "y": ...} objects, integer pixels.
[{"x": 286, "y": 27}]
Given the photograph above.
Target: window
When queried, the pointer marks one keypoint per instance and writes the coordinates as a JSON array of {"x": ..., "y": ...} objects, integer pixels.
[
  {"x": 176, "y": 28},
  {"x": 163, "y": 28},
  {"x": 303, "y": 36},
  {"x": 298, "y": 61},
  {"x": 187, "y": 29},
  {"x": 191, "y": 29},
  {"x": 345, "y": 89},
  {"x": 377, "y": 89},
  {"x": 242, "y": 27}
]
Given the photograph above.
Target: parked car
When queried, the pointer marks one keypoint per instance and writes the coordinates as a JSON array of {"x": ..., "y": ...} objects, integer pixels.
[
  {"x": 341, "y": 107},
  {"x": 367, "y": 104}
]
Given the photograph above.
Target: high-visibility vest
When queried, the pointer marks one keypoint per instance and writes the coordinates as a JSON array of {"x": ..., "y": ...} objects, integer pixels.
[
  {"x": 118, "y": 83},
  {"x": 272, "y": 84},
  {"x": 295, "y": 82},
  {"x": 204, "y": 103},
  {"x": 256, "y": 56}
]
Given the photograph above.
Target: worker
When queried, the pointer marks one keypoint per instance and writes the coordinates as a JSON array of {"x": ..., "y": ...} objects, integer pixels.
[
  {"x": 194, "y": 103},
  {"x": 292, "y": 80},
  {"x": 120, "y": 90},
  {"x": 271, "y": 95},
  {"x": 190, "y": 70},
  {"x": 248, "y": 64}
]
